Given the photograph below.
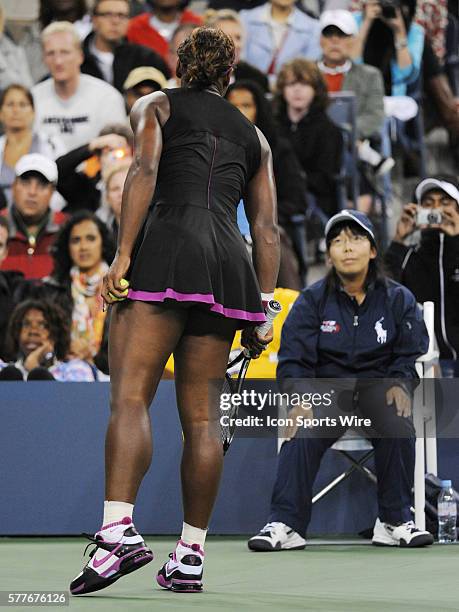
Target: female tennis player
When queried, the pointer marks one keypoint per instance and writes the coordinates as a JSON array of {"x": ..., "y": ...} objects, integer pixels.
[{"x": 191, "y": 286}]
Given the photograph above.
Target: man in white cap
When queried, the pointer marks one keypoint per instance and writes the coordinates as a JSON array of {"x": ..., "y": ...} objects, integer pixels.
[
  {"x": 32, "y": 223},
  {"x": 338, "y": 29},
  {"x": 430, "y": 267}
]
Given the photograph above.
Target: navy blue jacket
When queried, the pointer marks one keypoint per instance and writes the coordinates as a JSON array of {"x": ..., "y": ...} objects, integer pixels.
[{"x": 328, "y": 335}]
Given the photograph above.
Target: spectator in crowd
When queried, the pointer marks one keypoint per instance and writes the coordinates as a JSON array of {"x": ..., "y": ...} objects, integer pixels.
[
  {"x": 114, "y": 178},
  {"x": 140, "y": 82},
  {"x": 107, "y": 53},
  {"x": 230, "y": 22},
  {"x": 338, "y": 29},
  {"x": 354, "y": 305},
  {"x": 81, "y": 187},
  {"x": 439, "y": 104},
  {"x": 278, "y": 32},
  {"x": 154, "y": 28},
  {"x": 39, "y": 341},
  {"x": 180, "y": 33},
  {"x": 393, "y": 43},
  {"x": 72, "y": 105},
  {"x": 13, "y": 61},
  {"x": 431, "y": 16},
  {"x": 73, "y": 11},
  {"x": 301, "y": 100},
  {"x": 249, "y": 98},
  {"x": 430, "y": 267},
  {"x": 17, "y": 118},
  {"x": 9, "y": 281},
  {"x": 33, "y": 225},
  {"x": 82, "y": 252}
]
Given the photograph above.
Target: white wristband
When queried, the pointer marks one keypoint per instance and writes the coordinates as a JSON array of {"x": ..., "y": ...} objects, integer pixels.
[{"x": 267, "y": 297}]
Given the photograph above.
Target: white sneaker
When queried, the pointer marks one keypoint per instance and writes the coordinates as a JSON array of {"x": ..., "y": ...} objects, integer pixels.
[
  {"x": 119, "y": 550},
  {"x": 183, "y": 572},
  {"x": 276, "y": 536},
  {"x": 406, "y": 535}
]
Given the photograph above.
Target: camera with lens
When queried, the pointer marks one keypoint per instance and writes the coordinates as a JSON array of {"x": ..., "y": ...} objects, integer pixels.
[
  {"x": 428, "y": 216},
  {"x": 388, "y": 8}
]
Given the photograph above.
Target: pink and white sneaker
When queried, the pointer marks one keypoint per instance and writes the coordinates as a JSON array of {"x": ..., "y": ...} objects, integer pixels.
[
  {"x": 183, "y": 572},
  {"x": 119, "y": 550}
]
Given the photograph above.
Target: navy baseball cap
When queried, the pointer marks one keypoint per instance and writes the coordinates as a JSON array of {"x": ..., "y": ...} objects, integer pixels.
[{"x": 352, "y": 215}]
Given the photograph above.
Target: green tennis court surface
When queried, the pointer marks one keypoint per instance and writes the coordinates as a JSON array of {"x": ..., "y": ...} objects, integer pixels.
[{"x": 349, "y": 578}]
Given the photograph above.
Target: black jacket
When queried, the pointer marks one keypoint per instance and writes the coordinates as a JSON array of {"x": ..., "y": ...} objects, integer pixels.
[
  {"x": 318, "y": 143},
  {"x": 79, "y": 190},
  {"x": 431, "y": 271},
  {"x": 127, "y": 57},
  {"x": 290, "y": 181}
]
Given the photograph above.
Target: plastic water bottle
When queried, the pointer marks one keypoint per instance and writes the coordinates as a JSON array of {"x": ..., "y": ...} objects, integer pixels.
[{"x": 447, "y": 513}]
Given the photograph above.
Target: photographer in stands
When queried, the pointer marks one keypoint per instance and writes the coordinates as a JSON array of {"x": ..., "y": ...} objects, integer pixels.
[{"x": 430, "y": 267}]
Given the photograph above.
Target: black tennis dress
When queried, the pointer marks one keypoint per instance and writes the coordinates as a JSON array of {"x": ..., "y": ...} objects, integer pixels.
[{"x": 190, "y": 248}]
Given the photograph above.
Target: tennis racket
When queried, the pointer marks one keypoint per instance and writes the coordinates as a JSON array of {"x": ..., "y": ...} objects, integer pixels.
[{"x": 233, "y": 385}]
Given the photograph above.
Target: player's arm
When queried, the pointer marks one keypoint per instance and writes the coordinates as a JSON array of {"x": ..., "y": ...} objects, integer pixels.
[
  {"x": 147, "y": 116},
  {"x": 261, "y": 210}
]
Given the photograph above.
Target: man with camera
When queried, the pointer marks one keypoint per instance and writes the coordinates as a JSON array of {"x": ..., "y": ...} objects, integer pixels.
[{"x": 430, "y": 267}]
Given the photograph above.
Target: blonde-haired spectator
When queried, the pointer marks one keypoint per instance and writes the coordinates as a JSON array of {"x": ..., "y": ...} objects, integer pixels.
[{"x": 72, "y": 105}]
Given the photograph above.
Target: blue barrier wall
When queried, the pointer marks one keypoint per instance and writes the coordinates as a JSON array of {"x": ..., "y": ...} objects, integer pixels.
[{"x": 52, "y": 471}]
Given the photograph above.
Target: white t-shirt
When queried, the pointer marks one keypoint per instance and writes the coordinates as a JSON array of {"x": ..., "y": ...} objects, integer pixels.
[
  {"x": 104, "y": 61},
  {"x": 165, "y": 28},
  {"x": 79, "y": 119}
]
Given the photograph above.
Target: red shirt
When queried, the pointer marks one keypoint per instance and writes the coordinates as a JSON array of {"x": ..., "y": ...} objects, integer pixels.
[
  {"x": 141, "y": 32},
  {"x": 334, "y": 81}
]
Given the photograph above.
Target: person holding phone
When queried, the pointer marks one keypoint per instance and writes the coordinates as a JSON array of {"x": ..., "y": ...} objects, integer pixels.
[{"x": 429, "y": 267}]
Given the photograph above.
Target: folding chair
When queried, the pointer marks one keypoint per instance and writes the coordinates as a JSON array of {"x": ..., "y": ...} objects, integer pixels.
[{"x": 342, "y": 110}]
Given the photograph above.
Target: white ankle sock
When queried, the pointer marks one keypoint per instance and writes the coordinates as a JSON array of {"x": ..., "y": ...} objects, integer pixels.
[
  {"x": 193, "y": 535},
  {"x": 115, "y": 511}
]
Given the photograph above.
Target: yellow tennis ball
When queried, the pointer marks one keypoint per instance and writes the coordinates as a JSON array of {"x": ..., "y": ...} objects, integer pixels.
[
  {"x": 123, "y": 283},
  {"x": 115, "y": 298}
]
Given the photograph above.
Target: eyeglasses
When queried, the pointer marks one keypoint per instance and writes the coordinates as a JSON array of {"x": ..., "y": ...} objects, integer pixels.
[{"x": 112, "y": 15}]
